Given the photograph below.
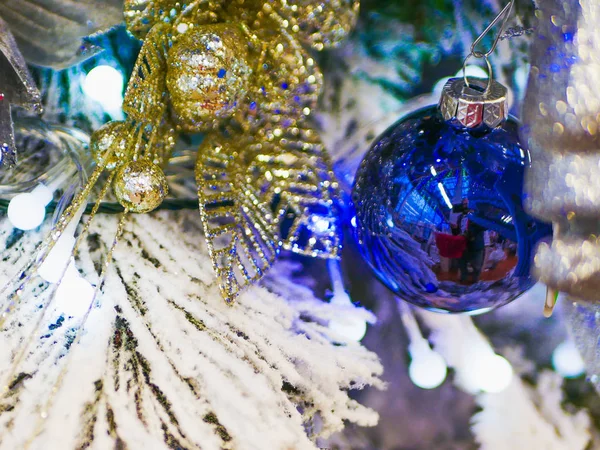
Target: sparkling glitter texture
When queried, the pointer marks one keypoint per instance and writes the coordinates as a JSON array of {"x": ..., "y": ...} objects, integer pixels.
[
  {"x": 207, "y": 74},
  {"x": 320, "y": 24},
  {"x": 140, "y": 186},
  {"x": 237, "y": 71},
  {"x": 562, "y": 116},
  {"x": 109, "y": 147}
]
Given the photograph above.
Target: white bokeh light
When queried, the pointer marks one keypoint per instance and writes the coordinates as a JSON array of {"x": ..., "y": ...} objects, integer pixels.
[
  {"x": 488, "y": 372},
  {"x": 497, "y": 376},
  {"x": 74, "y": 294},
  {"x": 427, "y": 369},
  {"x": 352, "y": 327},
  {"x": 320, "y": 225},
  {"x": 567, "y": 360},
  {"x": 104, "y": 84},
  {"x": 27, "y": 211},
  {"x": 56, "y": 261},
  {"x": 349, "y": 323},
  {"x": 474, "y": 71}
]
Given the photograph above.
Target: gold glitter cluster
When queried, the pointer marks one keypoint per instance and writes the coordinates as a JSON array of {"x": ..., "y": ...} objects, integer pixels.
[{"x": 241, "y": 73}]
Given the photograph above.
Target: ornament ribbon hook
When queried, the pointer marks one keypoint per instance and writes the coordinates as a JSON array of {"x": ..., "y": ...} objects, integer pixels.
[{"x": 503, "y": 16}]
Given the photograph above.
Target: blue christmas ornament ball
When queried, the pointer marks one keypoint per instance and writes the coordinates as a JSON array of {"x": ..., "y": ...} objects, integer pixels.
[{"x": 439, "y": 213}]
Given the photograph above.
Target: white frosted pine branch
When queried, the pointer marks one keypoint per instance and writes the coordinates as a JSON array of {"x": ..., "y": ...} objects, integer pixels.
[{"x": 162, "y": 362}]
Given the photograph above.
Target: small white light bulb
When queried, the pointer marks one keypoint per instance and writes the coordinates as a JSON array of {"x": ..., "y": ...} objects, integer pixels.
[
  {"x": 320, "y": 225},
  {"x": 104, "y": 84},
  {"x": 74, "y": 294},
  {"x": 427, "y": 369},
  {"x": 567, "y": 360},
  {"x": 56, "y": 261},
  {"x": 352, "y": 327},
  {"x": 349, "y": 325},
  {"x": 26, "y": 211},
  {"x": 43, "y": 193},
  {"x": 492, "y": 373}
]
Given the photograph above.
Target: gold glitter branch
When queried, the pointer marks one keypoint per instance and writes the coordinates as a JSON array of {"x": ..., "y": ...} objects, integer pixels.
[{"x": 238, "y": 72}]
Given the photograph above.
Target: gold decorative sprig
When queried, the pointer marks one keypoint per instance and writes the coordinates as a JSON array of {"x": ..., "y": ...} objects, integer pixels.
[{"x": 237, "y": 71}]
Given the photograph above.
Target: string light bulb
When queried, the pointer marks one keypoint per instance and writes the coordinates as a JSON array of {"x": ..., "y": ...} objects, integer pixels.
[
  {"x": 427, "y": 368},
  {"x": 26, "y": 211},
  {"x": 54, "y": 264},
  {"x": 104, "y": 84},
  {"x": 567, "y": 360},
  {"x": 74, "y": 293},
  {"x": 487, "y": 371},
  {"x": 351, "y": 326}
]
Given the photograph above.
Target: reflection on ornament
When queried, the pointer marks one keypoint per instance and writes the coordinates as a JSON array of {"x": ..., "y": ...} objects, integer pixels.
[
  {"x": 207, "y": 74},
  {"x": 439, "y": 207},
  {"x": 567, "y": 360},
  {"x": 104, "y": 84},
  {"x": 140, "y": 186},
  {"x": 427, "y": 369}
]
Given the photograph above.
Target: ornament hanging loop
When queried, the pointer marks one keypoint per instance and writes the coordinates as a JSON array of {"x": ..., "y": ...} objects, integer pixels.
[
  {"x": 490, "y": 72},
  {"x": 503, "y": 16}
]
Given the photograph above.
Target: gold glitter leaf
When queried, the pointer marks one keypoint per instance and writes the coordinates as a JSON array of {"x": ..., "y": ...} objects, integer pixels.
[
  {"x": 142, "y": 15},
  {"x": 294, "y": 174},
  {"x": 241, "y": 239},
  {"x": 145, "y": 99},
  {"x": 320, "y": 24}
]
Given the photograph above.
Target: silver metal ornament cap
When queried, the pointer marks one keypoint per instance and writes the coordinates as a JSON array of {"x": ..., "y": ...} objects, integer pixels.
[{"x": 473, "y": 101}]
